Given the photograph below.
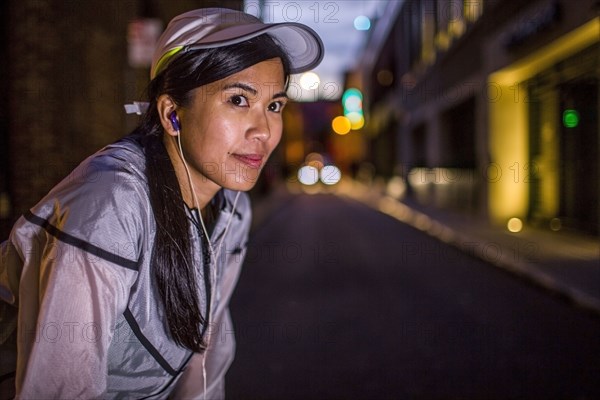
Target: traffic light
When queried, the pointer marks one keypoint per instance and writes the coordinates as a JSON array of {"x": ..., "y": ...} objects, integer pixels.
[
  {"x": 353, "y": 118},
  {"x": 352, "y": 101}
]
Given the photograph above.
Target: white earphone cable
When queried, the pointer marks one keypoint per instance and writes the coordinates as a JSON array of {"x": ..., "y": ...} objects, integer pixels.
[
  {"x": 214, "y": 255},
  {"x": 193, "y": 190}
]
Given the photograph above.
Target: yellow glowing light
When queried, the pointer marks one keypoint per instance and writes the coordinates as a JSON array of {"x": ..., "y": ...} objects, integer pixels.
[
  {"x": 341, "y": 125},
  {"x": 442, "y": 41},
  {"x": 357, "y": 120},
  {"x": 509, "y": 127},
  {"x": 358, "y": 124},
  {"x": 309, "y": 81},
  {"x": 514, "y": 225}
]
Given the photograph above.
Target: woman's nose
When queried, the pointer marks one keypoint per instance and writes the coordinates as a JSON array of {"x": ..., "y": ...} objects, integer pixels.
[{"x": 259, "y": 128}]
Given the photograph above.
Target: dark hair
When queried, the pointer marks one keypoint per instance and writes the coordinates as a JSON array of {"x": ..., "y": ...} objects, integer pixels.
[{"x": 172, "y": 259}]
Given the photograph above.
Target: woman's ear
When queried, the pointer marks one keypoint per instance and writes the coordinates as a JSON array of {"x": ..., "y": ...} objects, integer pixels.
[{"x": 166, "y": 108}]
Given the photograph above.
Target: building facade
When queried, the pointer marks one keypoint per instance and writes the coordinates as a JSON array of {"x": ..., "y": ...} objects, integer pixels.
[
  {"x": 490, "y": 107},
  {"x": 67, "y": 75}
]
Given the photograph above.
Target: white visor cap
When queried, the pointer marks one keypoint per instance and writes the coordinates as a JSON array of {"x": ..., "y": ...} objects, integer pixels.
[{"x": 217, "y": 27}]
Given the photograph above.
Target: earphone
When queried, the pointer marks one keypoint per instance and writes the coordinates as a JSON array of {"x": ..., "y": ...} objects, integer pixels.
[
  {"x": 174, "y": 121},
  {"x": 214, "y": 253}
]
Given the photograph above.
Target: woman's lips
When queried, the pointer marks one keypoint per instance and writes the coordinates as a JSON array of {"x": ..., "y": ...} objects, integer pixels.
[{"x": 251, "y": 160}]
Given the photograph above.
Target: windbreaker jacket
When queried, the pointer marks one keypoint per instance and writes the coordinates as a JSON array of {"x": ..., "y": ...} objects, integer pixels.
[{"x": 77, "y": 268}]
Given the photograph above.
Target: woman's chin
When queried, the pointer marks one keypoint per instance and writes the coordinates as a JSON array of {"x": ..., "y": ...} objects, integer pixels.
[{"x": 242, "y": 184}]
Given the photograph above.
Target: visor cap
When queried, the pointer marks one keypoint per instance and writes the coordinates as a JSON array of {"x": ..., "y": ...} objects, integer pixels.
[{"x": 218, "y": 27}]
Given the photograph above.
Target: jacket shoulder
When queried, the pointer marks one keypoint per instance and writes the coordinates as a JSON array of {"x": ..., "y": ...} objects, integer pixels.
[{"x": 103, "y": 201}]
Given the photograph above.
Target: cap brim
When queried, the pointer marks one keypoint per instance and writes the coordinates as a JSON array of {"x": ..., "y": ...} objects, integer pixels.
[{"x": 302, "y": 44}]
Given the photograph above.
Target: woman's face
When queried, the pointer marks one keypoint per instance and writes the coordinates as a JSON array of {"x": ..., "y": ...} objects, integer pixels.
[{"x": 231, "y": 126}]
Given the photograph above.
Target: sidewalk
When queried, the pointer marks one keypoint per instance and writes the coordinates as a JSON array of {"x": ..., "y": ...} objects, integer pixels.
[{"x": 565, "y": 263}]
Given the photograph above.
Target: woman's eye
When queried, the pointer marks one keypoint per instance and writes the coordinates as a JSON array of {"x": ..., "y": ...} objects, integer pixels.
[
  {"x": 239, "y": 100},
  {"x": 276, "y": 106}
]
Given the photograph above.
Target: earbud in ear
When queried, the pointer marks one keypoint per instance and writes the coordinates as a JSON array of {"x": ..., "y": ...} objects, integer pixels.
[{"x": 174, "y": 121}]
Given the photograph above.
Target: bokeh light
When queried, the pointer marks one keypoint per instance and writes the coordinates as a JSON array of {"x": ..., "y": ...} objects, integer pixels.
[
  {"x": 341, "y": 125},
  {"x": 385, "y": 77},
  {"x": 309, "y": 81},
  {"x": 330, "y": 175},
  {"x": 362, "y": 23},
  {"x": 514, "y": 225},
  {"x": 314, "y": 157},
  {"x": 353, "y": 108},
  {"x": 555, "y": 224},
  {"x": 570, "y": 118},
  {"x": 352, "y": 92},
  {"x": 396, "y": 187},
  {"x": 308, "y": 175},
  {"x": 357, "y": 120},
  {"x": 353, "y": 104}
]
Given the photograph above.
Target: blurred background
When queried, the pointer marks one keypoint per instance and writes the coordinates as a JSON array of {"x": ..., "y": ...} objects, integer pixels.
[
  {"x": 485, "y": 107},
  {"x": 471, "y": 124}
]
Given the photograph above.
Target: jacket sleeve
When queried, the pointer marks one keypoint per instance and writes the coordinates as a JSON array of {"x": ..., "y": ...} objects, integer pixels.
[
  {"x": 79, "y": 249},
  {"x": 63, "y": 352}
]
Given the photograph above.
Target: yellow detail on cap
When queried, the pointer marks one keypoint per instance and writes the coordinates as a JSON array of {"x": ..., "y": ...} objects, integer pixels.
[{"x": 162, "y": 62}]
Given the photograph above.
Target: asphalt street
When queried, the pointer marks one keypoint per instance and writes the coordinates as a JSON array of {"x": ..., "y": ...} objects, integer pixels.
[{"x": 338, "y": 301}]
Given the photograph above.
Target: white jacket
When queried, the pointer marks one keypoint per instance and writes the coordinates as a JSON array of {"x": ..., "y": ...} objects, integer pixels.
[{"x": 77, "y": 267}]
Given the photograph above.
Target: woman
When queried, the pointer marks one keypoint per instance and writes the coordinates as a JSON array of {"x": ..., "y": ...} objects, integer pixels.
[{"x": 122, "y": 274}]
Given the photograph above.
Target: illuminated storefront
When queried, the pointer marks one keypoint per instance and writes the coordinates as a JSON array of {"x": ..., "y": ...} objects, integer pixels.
[
  {"x": 493, "y": 107},
  {"x": 544, "y": 132}
]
